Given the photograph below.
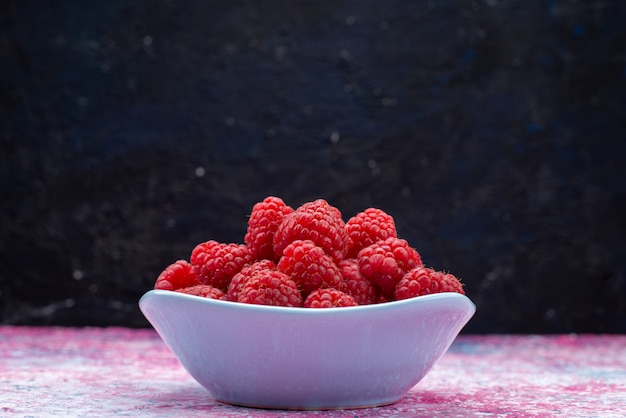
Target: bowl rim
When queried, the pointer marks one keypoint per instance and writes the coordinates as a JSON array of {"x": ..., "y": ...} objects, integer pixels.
[{"x": 433, "y": 297}]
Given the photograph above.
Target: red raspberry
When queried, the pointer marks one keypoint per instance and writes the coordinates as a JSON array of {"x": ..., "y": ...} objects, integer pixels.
[
  {"x": 385, "y": 262},
  {"x": 271, "y": 287},
  {"x": 354, "y": 284},
  {"x": 262, "y": 225},
  {"x": 422, "y": 281},
  {"x": 203, "y": 290},
  {"x": 316, "y": 221},
  {"x": 216, "y": 263},
  {"x": 329, "y": 298},
  {"x": 176, "y": 275},
  {"x": 367, "y": 228},
  {"x": 239, "y": 279},
  {"x": 309, "y": 266}
]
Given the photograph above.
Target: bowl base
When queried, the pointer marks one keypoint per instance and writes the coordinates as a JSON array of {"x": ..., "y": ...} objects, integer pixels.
[{"x": 321, "y": 407}]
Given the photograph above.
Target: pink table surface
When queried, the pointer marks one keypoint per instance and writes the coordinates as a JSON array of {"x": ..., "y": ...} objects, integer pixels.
[{"x": 122, "y": 372}]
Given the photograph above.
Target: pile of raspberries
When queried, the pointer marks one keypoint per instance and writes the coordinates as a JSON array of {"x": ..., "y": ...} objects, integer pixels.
[{"x": 308, "y": 257}]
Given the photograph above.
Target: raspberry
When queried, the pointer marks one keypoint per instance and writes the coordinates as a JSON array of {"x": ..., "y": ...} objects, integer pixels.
[
  {"x": 262, "y": 225},
  {"x": 385, "y": 262},
  {"x": 309, "y": 266},
  {"x": 270, "y": 287},
  {"x": 329, "y": 298},
  {"x": 422, "y": 281},
  {"x": 239, "y": 279},
  {"x": 203, "y": 290},
  {"x": 354, "y": 284},
  {"x": 316, "y": 221},
  {"x": 216, "y": 263},
  {"x": 367, "y": 228},
  {"x": 176, "y": 275}
]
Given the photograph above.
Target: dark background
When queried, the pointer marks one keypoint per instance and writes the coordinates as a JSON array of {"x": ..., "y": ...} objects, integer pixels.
[{"x": 493, "y": 131}]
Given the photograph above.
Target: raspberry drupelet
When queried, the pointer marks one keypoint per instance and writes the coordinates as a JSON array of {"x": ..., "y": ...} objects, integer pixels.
[
  {"x": 203, "y": 290},
  {"x": 329, "y": 298},
  {"x": 354, "y": 284},
  {"x": 423, "y": 281},
  {"x": 239, "y": 279},
  {"x": 264, "y": 220},
  {"x": 309, "y": 266},
  {"x": 270, "y": 287},
  {"x": 216, "y": 263},
  {"x": 175, "y": 276},
  {"x": 316, "y": 221},
  {"x": 368, "y": 227},
  {"x": 385, "y": 262}
]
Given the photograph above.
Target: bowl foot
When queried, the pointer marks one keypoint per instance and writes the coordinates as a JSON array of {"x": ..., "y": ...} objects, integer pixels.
[{"x": 313, "y": 406}]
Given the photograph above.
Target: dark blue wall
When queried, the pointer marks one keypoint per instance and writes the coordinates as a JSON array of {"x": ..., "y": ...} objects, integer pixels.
[{"x": 493, "y": 131}]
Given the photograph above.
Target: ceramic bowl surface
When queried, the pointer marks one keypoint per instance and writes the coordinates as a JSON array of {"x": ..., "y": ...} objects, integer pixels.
[{"x": 299, "y": 358}]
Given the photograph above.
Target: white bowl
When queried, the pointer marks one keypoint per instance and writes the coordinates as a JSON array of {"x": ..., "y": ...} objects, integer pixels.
[{"x": 305, "y": 358}]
